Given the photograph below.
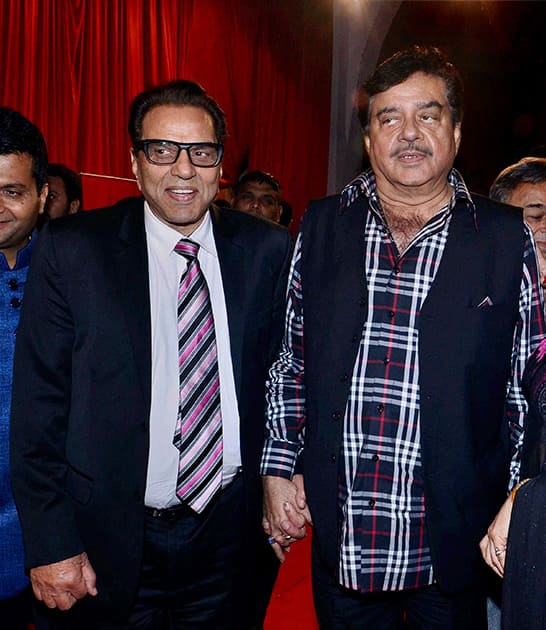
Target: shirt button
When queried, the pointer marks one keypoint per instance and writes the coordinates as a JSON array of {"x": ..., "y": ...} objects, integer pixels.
[
  {"x": 13, "y": 284},
  {"x": 332, "y": 459},
  {"x": 375, "y": 457},
  {"x": 396, "y": 270},
  {"x": 371, "y": 502},
  {"x": 355, "y": 338},
  {"x": 386, "y": 360},
  {"x": 15, "y": 302},
  {"x": 381, "y": 408},
  {"x": 391, "y": 314}
]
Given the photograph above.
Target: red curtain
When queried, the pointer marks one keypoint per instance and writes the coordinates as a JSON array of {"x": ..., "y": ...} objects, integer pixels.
[{"x": 73, "y": 66}]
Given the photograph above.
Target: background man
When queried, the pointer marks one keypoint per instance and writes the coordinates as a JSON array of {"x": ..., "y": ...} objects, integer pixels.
[
  {"x": 420, "y": 304},
  {"x": 138, "y": 410},
  {"x": 65, "y": 191},
  {"x": 524, "y": 184},
  {"x": 259, "y": 193},
  {"x": 23, "y": 191}
]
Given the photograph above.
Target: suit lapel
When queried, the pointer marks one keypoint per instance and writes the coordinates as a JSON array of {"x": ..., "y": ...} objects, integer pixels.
[
  {"x": 231, "y": 255},
  {"x": 131, "y": 268}
]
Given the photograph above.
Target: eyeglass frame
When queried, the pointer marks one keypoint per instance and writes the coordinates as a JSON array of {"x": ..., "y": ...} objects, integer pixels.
[{"x": 142, "y": 145}]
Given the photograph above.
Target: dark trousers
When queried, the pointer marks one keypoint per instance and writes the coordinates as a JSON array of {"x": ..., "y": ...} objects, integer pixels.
[
  {"x": 425, "y": 608},
  {"x": 16, "y": 612},
  {"x": 196, "y": 573}
]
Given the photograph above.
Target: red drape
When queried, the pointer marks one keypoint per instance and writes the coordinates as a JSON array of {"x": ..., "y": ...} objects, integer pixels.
[{"x": 73, "y": 66}]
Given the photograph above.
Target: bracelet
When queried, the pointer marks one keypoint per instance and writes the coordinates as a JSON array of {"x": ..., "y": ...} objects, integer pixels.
[{"x": 516, "y": 488}]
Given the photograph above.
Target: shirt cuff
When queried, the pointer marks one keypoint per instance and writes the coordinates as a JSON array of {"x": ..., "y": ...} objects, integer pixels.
[{"x": 279, "y": 458}]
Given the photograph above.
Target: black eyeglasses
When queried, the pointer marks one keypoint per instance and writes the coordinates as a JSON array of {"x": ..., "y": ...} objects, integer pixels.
[{"x": 204, "y": 154}]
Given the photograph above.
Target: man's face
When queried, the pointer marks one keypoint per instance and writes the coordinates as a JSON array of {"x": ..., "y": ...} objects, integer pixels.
[
  {"x": 260, "y": 200},
  {"x": 57, "y": 202},
  {"x": 178, "y": 194},
  {"x": 532, "y": 198},
  {"x": 412, "y": 140},
  {"x": 20, "y": 203}
]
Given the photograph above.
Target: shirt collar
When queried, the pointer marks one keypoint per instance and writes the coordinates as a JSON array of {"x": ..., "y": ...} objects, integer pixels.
[
  {"x": 163, "y": 238},
  {"x": 364, "y": 184},
  {"x": 23, "y": 255}
]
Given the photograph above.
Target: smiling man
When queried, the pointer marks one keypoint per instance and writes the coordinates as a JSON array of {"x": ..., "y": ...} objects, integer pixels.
[
  {"x": 138, "y": 413},
  {"x": 401, "y": 403},
  {"x": 23, "y": 191}
]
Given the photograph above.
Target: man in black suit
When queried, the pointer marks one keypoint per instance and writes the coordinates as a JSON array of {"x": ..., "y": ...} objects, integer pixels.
[
  {"x": 412, "y": 307},
  {"x": 101, "y": 408}
]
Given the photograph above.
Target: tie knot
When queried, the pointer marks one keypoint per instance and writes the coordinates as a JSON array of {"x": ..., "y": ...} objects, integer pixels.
[{"x": 187, "y": 248}]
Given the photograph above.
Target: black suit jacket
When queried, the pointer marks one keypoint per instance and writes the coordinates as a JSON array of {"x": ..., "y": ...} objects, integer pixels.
[{"x": 81, "y": 397}]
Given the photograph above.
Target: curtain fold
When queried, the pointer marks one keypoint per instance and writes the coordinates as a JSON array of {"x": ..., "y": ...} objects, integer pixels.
[{"x": 73, "y": 67}]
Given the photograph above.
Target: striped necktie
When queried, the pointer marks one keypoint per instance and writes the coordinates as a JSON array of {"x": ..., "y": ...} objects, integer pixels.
[{"x": 198, "y": 432}]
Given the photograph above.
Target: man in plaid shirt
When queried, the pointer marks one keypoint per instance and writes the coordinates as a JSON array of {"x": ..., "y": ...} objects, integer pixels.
[{"x": 412, "y": 308}]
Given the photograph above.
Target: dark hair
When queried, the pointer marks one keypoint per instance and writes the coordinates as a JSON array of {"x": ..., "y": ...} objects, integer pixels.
[
  {"x": 19, "y": 135},
  {"x": 259, "y": 177},
  {"x": 529, "y": 170},
  {"x": 404, "y": 64},
  {"x": 71, "y": 180},
  {"x": 178, "y": 92}
]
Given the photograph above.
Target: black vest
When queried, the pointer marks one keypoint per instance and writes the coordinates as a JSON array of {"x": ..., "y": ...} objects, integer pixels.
[{"x": 464, "y": 364}]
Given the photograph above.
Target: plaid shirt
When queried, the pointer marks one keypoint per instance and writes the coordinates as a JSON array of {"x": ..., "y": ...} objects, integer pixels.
[{"x": 383, "y": 544}]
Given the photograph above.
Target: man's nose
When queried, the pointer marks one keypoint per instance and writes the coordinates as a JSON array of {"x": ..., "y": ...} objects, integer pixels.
[
  {"x": 410, "y": 130},
  {"x": 183, "y": 167}
]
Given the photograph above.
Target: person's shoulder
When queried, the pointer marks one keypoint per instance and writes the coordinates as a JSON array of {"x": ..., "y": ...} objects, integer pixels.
[
  {"x": 98, "y": 218},
  {"x": 496, "y": 209},
  {"x": 247, "y": 224}
]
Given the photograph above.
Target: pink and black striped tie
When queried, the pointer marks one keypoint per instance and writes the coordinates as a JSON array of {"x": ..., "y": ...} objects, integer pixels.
[{"x": 198, "y": 432}]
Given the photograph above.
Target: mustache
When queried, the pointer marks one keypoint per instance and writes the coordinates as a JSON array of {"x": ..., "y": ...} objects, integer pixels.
[{"x": 412, "y": 147}]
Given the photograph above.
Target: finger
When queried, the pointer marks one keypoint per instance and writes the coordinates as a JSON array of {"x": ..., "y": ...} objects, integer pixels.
[
  {"x": 49, "y": 601},
  {"x": 277, "y": 550},
  {"x": 266, "y": 526},
  {"x": 90, "y": 580},
  {"x": 65, "y": 601}
]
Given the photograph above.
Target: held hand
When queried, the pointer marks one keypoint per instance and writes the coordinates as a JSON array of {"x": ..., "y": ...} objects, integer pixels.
[
  {"x": 493, "y": 544},
  {"x": 61, "y": 584},
  {"x": 284, "y": 521}
]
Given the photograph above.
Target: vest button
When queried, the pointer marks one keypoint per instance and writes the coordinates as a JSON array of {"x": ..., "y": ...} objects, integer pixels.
[
  {"x": 13, "y": 284},
  {"x": 336, "y": 415},
  {"x": 332, "y": 459},
  {"x": 15, "y": 302}
]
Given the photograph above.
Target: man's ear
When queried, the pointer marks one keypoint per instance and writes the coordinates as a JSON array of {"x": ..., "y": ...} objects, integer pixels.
[
  {"x": 134, "y": 166},
  {"x": 43, "y": 198}
]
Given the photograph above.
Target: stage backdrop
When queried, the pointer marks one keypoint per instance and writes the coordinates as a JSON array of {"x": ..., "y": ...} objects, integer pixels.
[{"x": 73, "y": 66}]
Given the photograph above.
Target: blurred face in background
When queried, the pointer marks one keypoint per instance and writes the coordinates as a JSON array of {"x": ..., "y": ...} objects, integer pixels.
[
  {"x": 532, "y": 198},
  {"x": 261, "y": 200},
  {"x": 57, "y": 202}
]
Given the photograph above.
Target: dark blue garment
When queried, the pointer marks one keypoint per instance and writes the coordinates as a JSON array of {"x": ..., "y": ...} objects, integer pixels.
[{"x": 12, "y": 282}]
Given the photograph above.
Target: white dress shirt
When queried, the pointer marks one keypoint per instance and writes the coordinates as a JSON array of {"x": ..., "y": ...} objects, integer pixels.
[{"x": 165, "y": 269}]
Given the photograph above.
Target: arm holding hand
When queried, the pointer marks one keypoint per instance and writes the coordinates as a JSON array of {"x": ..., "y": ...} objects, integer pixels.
[{"x": 61, "y": 584}]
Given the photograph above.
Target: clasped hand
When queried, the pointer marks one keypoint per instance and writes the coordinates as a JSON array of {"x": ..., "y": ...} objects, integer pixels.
[{"x": 285, "y": 512}]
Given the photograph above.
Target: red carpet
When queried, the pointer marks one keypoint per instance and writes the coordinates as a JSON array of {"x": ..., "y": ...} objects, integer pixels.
[{"x": 291, "y": 606}]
